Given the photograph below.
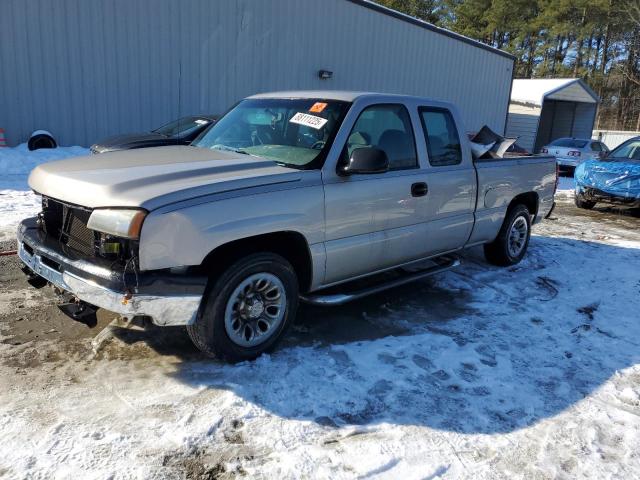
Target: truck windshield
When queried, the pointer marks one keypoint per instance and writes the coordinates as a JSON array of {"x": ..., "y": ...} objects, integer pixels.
[{"x": 293, "y": 132}]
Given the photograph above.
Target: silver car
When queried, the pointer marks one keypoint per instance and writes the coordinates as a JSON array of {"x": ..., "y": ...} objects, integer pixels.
[{"x": 571, "y": 152}]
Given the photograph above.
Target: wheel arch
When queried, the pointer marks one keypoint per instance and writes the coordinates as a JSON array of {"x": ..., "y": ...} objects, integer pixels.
[
  {"x": 531, "y": 200},
  {"x": 291, "y": 245}
]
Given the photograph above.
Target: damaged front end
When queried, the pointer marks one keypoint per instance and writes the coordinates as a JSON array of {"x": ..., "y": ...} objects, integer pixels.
[
  {"x": 100, "y": 269},
  {"x": 70, "y": 224},
  {"x": 616, "y": 182}
]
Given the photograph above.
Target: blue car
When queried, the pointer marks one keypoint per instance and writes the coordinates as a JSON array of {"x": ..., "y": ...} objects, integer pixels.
[{"x": 615, "y": 179}]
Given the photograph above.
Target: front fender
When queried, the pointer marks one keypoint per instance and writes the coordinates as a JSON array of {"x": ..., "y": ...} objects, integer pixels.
[{"x": 185, "y": 236}]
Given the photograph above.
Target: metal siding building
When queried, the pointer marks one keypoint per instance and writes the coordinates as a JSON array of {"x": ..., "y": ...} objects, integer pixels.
[
  {"x": 543, "y": 110},
  {"x": 85, "y": 69}
]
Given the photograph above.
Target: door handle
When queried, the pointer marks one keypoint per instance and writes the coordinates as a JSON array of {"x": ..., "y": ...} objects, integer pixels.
[{"x": 419, "y": 189}]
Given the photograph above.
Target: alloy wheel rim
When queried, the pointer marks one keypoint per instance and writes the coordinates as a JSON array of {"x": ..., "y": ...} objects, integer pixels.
[
  {"x": 255, "y": 309},
  {"x": 517, "y": 236}
]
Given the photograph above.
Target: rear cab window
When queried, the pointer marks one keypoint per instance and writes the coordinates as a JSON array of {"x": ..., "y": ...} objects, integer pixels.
[{"x": 441, "y": 136}]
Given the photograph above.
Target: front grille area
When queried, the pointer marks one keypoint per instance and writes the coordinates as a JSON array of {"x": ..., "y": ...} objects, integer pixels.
[{"x": 68, "y": 223}]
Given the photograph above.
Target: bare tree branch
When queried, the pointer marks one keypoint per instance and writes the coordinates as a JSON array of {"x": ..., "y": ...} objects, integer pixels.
[
  {"x": 632, "y": 8},
  {"x": 632, "y": 78}
]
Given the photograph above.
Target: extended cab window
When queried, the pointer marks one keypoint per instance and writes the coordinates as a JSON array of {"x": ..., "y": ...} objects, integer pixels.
[
  {"x": 441, "y": 135},
  {"x": 388, "y": 128}
]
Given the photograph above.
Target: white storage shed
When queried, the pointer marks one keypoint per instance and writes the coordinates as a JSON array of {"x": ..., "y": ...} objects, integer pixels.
[{"x": 542, "y": 110}]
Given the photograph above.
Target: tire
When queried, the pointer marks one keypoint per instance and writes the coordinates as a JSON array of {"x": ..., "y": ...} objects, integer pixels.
[
  {"x": 214, "y": 331},
  {"x": 582, "y": 203},
  {"x": 41, "y": 139},
  {"x": 506, "y": 249}
]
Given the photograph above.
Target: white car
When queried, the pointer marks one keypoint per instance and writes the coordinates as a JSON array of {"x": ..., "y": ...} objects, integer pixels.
[{"x": 571, "y": 152}]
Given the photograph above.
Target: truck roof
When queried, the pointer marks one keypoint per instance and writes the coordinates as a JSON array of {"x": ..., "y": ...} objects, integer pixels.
[{"x": 343, "y": 95}]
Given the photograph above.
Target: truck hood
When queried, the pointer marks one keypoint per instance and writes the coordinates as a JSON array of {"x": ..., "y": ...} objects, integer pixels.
[{"x": 154, "y": 177}]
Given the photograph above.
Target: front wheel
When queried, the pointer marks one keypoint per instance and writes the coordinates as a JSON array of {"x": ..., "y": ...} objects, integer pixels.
[
  {"x": 247, "y": 309},
  {"x": 513, "y": 239}
]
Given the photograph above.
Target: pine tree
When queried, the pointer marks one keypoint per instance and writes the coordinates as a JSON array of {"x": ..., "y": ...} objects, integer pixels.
[{"x": 597, "y": 40}]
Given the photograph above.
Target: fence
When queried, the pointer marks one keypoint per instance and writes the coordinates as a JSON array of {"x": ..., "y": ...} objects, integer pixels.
[{"x": 613, "y": 138}]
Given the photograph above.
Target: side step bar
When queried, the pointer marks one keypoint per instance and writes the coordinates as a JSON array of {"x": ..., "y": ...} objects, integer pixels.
[{"x": 335, "y": 299}]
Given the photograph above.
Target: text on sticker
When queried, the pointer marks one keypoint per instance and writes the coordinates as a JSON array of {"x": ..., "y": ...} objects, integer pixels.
[{"x": 308, "y": 120}]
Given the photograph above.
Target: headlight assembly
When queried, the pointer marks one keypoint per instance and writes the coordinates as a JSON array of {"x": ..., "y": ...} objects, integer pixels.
[{"x": 121, "y": 222}]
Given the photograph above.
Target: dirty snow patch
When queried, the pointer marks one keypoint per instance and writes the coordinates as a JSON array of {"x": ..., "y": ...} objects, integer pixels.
[{"x": 17, "y": 201}]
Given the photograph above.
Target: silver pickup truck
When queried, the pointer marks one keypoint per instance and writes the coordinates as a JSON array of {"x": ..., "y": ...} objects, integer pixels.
[{"x": 319, "y": 196}]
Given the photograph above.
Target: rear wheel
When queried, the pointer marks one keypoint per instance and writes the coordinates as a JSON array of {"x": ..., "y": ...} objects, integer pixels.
[
  {"x": 582, "y": 203},
  {"x": 513, "y": 239},
  {"x": 247, "y": 309}
]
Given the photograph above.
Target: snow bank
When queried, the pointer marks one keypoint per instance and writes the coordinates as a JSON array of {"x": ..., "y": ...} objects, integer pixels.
[
  {"x": 20, "y": 161},
  {"x": 17, "y": 201}
]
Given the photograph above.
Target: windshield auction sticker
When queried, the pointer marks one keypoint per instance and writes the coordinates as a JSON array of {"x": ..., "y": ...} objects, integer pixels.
[
  {"x": 318, "y": 107},
  {"x": 308, "y": 120}
]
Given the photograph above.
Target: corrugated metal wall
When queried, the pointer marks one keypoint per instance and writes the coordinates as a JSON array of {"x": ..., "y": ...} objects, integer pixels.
[
  {"x": 84, "y": 69},
  {"x": 523, "y": 124},
  {"x": 585, "y": 116},
  {"x": 545, "y": 124},
  {"x": 563, "y": 115}
]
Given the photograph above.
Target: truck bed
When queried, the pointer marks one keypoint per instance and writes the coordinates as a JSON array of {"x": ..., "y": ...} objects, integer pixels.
[{"x": 502, "y": 179}]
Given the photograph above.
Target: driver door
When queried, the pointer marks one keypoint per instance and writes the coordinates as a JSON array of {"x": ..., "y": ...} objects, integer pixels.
[{"x": 374, "y": 221}]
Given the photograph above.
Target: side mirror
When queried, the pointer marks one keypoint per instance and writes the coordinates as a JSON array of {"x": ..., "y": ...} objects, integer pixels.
[{"x": 366, "y": 160}]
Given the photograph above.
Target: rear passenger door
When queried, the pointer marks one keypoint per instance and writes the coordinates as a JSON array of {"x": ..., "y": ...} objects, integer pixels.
[{"x": 452, "y": 182}]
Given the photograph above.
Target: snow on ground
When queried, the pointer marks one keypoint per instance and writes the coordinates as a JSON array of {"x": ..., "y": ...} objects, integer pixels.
[
  {"x": 17, "y": 201},
  {"x": 531, "y": 371}
]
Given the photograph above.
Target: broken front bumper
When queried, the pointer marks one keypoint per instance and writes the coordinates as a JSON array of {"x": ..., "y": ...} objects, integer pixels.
[
  {"x": 596, "y": 195},
  {"x": 168, "y": 298}
]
